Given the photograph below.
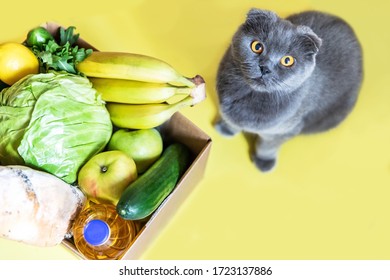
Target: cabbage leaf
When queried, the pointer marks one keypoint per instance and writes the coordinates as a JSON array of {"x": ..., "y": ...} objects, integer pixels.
[{"x": 53, "y": 122}]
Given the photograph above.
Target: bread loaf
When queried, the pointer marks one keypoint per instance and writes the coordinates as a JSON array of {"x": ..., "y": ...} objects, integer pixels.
[{"x": 36, "y": 208}]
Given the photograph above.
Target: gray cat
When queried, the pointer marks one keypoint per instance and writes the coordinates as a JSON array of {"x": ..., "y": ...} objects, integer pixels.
[{"x": 284, "y": 77}]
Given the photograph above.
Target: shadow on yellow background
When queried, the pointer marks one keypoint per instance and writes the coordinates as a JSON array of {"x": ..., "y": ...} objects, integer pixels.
[{"x": 329, "y": 195}]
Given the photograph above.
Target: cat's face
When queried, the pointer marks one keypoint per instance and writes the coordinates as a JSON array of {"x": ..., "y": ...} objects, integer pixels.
[{"x": 272, "y": 54}]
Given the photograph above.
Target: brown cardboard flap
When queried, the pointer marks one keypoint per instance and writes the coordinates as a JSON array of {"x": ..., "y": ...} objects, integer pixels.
[{"x": 53, "y": 28}]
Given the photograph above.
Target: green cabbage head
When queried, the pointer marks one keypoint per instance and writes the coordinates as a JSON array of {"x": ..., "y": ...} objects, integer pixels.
[{"x": 52, "y": 122}]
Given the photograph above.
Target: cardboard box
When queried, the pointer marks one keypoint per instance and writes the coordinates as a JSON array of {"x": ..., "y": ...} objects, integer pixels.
[{"x": 178, "y": 129}]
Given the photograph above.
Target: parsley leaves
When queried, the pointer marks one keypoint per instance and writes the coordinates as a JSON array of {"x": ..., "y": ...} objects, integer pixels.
[{"x": 61, "y": 55}]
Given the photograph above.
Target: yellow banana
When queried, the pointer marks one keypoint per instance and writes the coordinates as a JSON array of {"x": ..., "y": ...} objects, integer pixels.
[
  {"x": 144, "y": 116},
  {"x": 135, "y": 92},
  {"x": 128, "y": 66}
]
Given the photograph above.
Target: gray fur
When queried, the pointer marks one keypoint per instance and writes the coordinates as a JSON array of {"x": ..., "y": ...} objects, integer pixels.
[{"x": 260, "y": 96}]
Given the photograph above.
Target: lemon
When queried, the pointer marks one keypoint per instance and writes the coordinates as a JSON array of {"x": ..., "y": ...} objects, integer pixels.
[{"x": 16, "y": 61}]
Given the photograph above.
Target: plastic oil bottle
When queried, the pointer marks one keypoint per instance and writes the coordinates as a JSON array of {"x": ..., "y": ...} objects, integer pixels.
[{"x": 101, "y": 234}]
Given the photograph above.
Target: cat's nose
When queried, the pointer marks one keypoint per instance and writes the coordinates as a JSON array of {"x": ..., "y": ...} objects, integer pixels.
[{"x": 264, "y": 70}]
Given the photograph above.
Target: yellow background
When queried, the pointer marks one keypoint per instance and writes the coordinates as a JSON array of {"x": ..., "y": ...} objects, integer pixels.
[{"x": 329, "y": 195}]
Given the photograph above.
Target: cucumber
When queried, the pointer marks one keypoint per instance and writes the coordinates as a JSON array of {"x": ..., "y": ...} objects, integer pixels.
[{"x": 142, "y": 197}]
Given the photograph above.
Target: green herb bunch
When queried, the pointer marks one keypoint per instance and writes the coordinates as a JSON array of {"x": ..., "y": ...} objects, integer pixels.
[{"x": 61, "y": 55}]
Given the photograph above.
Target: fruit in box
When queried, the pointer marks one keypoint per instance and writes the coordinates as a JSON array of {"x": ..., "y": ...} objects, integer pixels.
[
  {"x": 105, "y": 176},
  {"x": 144, "y": 146}
]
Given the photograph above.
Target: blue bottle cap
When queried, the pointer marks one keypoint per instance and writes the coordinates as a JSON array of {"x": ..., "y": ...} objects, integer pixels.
[{"x": 96, "y": 232}]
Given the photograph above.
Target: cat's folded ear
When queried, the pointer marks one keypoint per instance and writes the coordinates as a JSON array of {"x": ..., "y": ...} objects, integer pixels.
[
  {"x": 262, "y": 14},
  {"x": 310, "y": 42}
]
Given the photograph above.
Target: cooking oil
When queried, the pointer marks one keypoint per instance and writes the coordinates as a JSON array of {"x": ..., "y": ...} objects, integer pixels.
[{"x": 101, "y": 234}]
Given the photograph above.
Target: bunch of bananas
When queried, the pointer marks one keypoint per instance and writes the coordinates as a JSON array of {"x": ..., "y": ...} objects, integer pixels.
[{"x": 140, "y": 91}]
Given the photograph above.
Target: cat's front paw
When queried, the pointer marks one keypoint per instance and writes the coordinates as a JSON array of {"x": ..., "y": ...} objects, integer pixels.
[
  {"x": 264, "y": 165},
  {"x": 224, "y": 129}
]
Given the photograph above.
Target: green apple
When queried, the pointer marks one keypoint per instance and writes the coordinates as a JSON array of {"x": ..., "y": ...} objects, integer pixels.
[
  {"x": 106, "y": 175},
  {"x": 144, "y": 145}
]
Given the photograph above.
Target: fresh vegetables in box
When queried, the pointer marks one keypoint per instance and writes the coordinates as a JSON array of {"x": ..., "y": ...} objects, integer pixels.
[
  {"x": 58, "y": 55},
  {"x": 141, "y": 198},
  {"x": 90, "y": 119},
  {"x": 53, "y": 122}
]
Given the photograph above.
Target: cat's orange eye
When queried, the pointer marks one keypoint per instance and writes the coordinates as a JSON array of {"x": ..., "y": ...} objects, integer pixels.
[
  {"x": 287, "y": 61},
  {"x": 257, "y": 47}
]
